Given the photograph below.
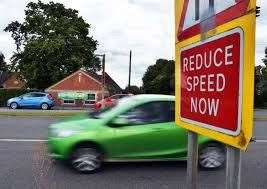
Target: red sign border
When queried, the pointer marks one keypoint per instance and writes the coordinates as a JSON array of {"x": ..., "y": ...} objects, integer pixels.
[
  {"x": 223, "y": 17},
  {"x": 212, "y": 127}
]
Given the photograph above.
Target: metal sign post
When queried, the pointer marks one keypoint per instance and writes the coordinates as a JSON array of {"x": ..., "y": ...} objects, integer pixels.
[
  {"x": 192, "y": 160},
  {"x": 215, "y": 55},
  {"x": 233, "y": 168}
]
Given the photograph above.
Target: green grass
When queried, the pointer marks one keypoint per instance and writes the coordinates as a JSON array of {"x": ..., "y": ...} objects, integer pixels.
[{"x": 52, "y": 113}]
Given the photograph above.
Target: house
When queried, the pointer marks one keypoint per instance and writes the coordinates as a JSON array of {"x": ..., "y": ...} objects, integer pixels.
[
  {"x": 82, "y": 89},
  {"x": 10, "y": 81}
]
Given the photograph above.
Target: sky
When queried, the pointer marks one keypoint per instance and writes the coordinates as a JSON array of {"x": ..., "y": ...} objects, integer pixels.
[{"x": 144, "y": 26}]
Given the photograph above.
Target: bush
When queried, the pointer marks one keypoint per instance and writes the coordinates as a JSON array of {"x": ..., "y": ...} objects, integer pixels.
[{"x": 6, "y": 94}]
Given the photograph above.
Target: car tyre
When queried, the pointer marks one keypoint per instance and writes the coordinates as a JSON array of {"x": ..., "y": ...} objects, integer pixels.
[
  {"x": 212, "y": 156},
  {"x": 14, "y": 105},
  {"x": 44, "y": 106},
  {"x": 86, "y": 160}
]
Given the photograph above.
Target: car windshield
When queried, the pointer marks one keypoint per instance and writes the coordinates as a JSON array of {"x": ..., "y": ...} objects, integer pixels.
[
  {"x": 97, "y": 114},
  {"x": 101, "y": 113}
]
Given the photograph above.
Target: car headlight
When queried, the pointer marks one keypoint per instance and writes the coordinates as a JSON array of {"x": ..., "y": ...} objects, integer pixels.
[
  {"x": 61, "y": 133},
  {"x": 66, "y": 133}
]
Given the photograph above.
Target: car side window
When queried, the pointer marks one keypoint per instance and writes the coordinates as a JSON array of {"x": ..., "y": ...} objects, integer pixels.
[
  {"x": 115, "y": 97},
  {"x": 28, "y": 95},
  {"x": 38, "y": 95},
  {"x": 149, "y": 113},
  {"x": 121, "y": 96}
]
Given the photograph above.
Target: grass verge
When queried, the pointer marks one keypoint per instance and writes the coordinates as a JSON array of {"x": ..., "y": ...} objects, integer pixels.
[{"x": 51, "y": 113}]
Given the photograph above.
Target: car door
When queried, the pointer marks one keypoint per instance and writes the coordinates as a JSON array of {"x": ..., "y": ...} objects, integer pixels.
[
  {"x": 150, "y": 134},
  {"x": 27, "y": 100},
  {"x": 37, "y": 99}
]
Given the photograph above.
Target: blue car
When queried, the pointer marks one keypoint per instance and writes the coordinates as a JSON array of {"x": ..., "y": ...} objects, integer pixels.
[{"x": 38, "y": 100}]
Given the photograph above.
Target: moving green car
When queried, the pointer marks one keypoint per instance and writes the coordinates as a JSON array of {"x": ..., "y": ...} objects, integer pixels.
[{"x": 137, "y": 128}]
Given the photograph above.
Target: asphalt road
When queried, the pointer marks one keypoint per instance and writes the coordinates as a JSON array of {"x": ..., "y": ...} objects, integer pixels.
[{"x": 25, "y": 164}]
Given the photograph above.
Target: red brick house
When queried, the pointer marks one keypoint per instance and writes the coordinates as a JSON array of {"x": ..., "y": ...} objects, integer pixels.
[{"x": 82, "y": 89}]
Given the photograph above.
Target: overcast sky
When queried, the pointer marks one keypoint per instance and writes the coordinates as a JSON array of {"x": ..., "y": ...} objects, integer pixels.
[{"x": 144, "y": 26}]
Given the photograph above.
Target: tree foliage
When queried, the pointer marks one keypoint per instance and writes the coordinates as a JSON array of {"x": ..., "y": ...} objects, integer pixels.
[
  {"x": 133, "y": 90},
  {"x": 260, "y": 90},
  {"x": 52, "y": 42},
  {"x": 3, "y": 64},
  {"x": 264, "y": 60},
  {"x": 160, "y": 78},
  {"x": 259, "y": 87}
]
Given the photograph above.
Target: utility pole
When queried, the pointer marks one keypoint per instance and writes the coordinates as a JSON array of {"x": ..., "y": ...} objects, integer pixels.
[
  {"x": 130, "y": 70},
  {"x": 103, "y": 75}
]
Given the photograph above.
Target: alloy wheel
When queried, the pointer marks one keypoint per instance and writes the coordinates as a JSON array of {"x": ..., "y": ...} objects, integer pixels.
[
  {"x": 212, "y": 156},
  {"x": 14, "y": 105},
  {"x": 86, "y": 160}
]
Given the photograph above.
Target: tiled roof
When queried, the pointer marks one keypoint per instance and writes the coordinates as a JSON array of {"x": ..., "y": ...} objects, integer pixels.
[{"x": 108, "y": 80}]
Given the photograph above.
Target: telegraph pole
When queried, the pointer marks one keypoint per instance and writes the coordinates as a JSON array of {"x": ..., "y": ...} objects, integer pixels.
[
  {"x": 103, "y": 74},
  {"x": 130, "y": 70}
]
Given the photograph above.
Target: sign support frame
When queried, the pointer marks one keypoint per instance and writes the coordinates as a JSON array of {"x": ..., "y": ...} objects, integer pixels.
[
  {"x": 192, "y": 160},
  {"x": 241, "y": 15},
  {"x": 233, "y": 168}
]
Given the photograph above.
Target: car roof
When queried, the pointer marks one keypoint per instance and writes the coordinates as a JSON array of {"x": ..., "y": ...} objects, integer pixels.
[
  {"x": 38, "y": 92},
  {"x": 132, "y": 101},
  {"x": 136, "y": 100},
  {"x": 119, "y": 95},
  {"x": 153, "y": 97},
  {"x": 145, "y": 98}
]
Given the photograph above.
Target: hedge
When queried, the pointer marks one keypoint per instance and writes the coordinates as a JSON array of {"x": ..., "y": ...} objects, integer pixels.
[{"x": 6, "y": 94}]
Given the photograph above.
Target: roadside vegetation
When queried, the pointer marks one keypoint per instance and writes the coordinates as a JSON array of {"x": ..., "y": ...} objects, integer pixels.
[
  {"x": 260, "y": 94},
  {"x": 52, "y": 42}
]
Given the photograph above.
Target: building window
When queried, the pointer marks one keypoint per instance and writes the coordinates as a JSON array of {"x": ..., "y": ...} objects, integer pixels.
[
  {"x": 91, "y": 98},
  {"x": 68, "y": 101},
  {"x": 89, "y": 102}
]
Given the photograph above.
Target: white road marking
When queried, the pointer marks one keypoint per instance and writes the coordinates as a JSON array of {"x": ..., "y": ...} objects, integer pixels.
[
  {"x": 21, "y": 140},
  {"x": 261, "y": 141}
]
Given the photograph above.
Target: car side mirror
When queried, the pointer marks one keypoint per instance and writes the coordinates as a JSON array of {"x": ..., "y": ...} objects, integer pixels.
[{"x": 119, "y": 122}]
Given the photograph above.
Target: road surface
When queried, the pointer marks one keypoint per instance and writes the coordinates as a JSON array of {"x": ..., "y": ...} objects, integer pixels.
[{"x": 25, "y": 163}]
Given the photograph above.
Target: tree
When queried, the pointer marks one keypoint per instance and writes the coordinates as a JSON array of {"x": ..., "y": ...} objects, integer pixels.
[
  {"x": 3, "y": 65},
  {"x": 264, "y": 70},
  {"x": 133, "y": 90},
  {"x": 160, "y": 78},
  {"x": 52, "y": 42},
  {"x": 259, "y": 87},
  {"x": 265, "y": 58}
]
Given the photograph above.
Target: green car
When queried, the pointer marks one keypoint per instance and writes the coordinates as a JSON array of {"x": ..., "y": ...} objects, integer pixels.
[{"x": 137, "y": 128}]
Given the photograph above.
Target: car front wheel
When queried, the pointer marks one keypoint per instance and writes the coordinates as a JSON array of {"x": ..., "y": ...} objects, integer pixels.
[
  {"x": 86, "y": 160},
  {"x": 13, "y": 105},
  {"x": 212, "y": 156}
]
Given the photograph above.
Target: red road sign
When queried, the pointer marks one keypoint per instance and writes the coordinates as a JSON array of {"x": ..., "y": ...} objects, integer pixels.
[
  {"x": 211, "y": 82},
  {"x": 195, "y": 12}
]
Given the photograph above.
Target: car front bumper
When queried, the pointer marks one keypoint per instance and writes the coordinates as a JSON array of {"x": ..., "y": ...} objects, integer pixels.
[{"x": 59, "y": 148}]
